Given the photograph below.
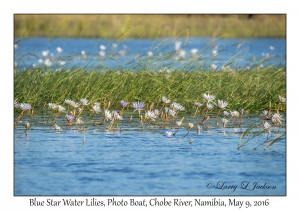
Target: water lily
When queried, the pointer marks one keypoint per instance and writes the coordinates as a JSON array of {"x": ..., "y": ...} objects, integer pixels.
[
  {"x": 282, "y": 99},
  {"x": 138, "y": 106},
  {"x": 235, "y": 114},
  {"x": 57, "y": 128},
  {"x": 224, "y": 121},
  {"x": 60, "y": 108},
  {"x": 170, "y": 112},
  {"x": 197, "y": 104},
  {"x": 96, "y": 109},
  {"x": 72, "y": 103},
  {"x": 276, "y": 118},
  {"x": 150, "y": 54},
  {"x": 108, "y": 115},
  {"x": 69, "y": 118},
  {"x": 213, "y": 66},
  {"x": 59, "y": 49},
  {"x": 123, "y": 104},
  {"x": 165, "y": 100},
  {"x": 225, "y": 113},
  {"x": 221, "y": 105},
  {"x": 102, "y": 47},
  {"x": 208, "y": 98},
  {"x": 45, "y": 53},
  {"x": 198, "y": 129},
  {"x": 116, "y": 115},
  {"x": 191, "y": 125},
  {"x": 150, "y": 115},
  {"x": 177, "y": 106},
  {"x": 267, "y": 127},
  {"x": 25, "y": 107},
  {"x": 84, "y": 102},
  {"x": 169, "y": 133},
  {"x": 194, "y": 51},
  {"x": 16, "y": 104}
]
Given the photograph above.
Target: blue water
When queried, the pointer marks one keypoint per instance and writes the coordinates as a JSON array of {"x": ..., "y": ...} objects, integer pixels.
[
  {"x": 133, "y": 53},
  {"x": 145, "y": 162}
]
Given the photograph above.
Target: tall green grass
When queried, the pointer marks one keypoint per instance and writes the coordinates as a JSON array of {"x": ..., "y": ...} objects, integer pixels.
[{"x": 251, "y": 89}]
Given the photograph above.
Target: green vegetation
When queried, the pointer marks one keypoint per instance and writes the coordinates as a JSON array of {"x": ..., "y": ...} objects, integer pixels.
[
  {"x": 150, "y": 26},
  {"x": 252, "y": 90}
]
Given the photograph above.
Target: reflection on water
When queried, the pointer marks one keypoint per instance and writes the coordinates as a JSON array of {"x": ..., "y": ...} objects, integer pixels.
[{"x": 145, "y": 162}]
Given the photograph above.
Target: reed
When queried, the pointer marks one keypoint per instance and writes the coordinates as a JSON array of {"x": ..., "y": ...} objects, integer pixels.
[{"x": 252, "y": 90}]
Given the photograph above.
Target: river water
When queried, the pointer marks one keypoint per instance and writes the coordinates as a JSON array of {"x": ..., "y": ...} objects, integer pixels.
[
  {"x": 192, "y": 53},
  {"x": 136, "y": 161}
]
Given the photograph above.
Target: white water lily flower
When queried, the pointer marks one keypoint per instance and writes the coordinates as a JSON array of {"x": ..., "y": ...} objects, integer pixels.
[
  {"x": 150, "y": 54},
  {"x": 165, "y": 100},
  {"x": 197, "y": 104},
  {"x": 276, "y": 118},
  {"x": 235, "y": 114},
  {"x": 191, "y": 125},
  {"x": 96, "y": 108},
  {"x": 48, "y": 62},
  {"x": 25, "y": 107},
  {"x": 102, "y": 47},
  {"x": 225, "y": 113},
  {"x": 177, "y": 106},
  {"x": 84, "y": 101},
  {"x": 45, "y": 53},
  {"x": 57, "y": 128},
  {"x": 222, "y": 104},
  {"x": 59, "y": 49},
  {"x": 156, "y": 112},
  {"x": 123, "y": 104},
  {"x": 282, "y": 99},
  {"x": 266, "y": 113},
  {"x": 224, "y": 121},
  {"x": 214, "y": 66},
  {"x": 16, "y": 104},
  {"x": 208, "y": 98},
  {"x": 169, "y": 133},
  {"x": 267, "y": 126},
  {"x": 138, "y": 106},
  {"x": 150, "y": 115},
  {"x": 108, "y": 115},
  {"x": 116, "y": 115},
  {"x": 69, "y": 118},
  {"x": 194, "y": 51},
  {"x": 52, "y": 106},
  {"x": 60, "y": 108},
  {"x": 209, "y": 106},
  {"x": 178, "y": 123},
  {"x": 72, "y": 103},
  {"x": 171, "y": 112}
]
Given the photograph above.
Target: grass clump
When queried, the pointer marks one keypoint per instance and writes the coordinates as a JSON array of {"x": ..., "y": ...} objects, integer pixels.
[{"x": 252, "y": 90}]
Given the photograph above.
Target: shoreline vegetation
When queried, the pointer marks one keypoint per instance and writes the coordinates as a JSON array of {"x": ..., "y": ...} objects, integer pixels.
[{"x": 151, "y": 26}]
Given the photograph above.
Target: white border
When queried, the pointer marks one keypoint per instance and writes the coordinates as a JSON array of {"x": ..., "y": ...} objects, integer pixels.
[{"x": 8, "y": 8}]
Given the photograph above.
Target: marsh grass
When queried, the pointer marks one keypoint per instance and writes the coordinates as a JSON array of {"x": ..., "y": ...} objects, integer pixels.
[{"x": 252, "y": 90}]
